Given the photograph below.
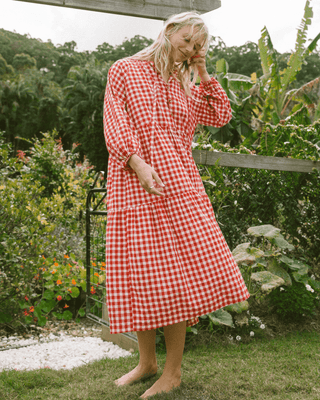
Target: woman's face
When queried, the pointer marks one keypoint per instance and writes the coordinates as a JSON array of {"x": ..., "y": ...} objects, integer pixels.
[{"x": 183, "y": 44}]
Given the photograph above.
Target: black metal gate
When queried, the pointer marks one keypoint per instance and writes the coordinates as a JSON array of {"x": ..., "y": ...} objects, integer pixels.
[{"x": 96, "y": 219}]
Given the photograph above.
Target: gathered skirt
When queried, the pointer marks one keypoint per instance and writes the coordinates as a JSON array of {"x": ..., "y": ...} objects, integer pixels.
[{"x": 167, "y": 262}]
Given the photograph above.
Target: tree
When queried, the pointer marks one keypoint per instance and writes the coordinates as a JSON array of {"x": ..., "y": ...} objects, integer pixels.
[
  {"x": 275, "y": 83},
  {"x": 129, "y": 47},
  {"x": 83, "y": 110},
  {"x": 29, "y": 103}
]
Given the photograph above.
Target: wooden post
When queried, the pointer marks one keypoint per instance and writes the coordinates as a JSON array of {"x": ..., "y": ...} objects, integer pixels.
[
  {"x": 125, "y": 341},
  {"x": 154, "y": 9}
]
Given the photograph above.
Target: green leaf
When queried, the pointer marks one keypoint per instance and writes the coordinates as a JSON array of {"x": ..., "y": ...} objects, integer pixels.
[
  {"x": 192, "y": 329},
  {"x": 238, "y": 307},
  {"x": 276, "y": 269},
  {"x": 47, "y": 306},
  {"x": 241, "y": 247},
  {"x": 37, "y": 312},
  {"x": 48, "y": 294},
  {"x": 42, "y": 321},
  {"x": 267, "y": 231},
  {"x": 28, "y": 320},
  {"x": 82, "y": 312},
  {"x": 282, "y": 243},
  {"x": 75, "y": 292},
  {"x": 221, "y": 317},
  {"x": 57, "y": 315},
  {"x": 267, "y": 280},
  {"x": 67, "y": 315},
  {"x": 23, "y": 304},
  {"x": 5, "y": 318},
  {"x": 302, "y": 278}
]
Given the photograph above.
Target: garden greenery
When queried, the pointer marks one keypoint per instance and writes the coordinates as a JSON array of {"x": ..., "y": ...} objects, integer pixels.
[{"x": 42, "y": 199}]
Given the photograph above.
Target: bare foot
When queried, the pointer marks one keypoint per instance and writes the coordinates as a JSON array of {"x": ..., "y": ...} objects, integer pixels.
[
  {"x": 163, "y": 385},
  {"x": 137, "y": 374}
]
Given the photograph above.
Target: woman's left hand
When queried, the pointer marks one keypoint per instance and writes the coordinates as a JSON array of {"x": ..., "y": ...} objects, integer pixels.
[{"x": 199, "y": 61}]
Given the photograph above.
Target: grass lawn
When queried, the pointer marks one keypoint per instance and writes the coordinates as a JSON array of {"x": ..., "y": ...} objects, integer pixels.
[{"x": 286, "y": 368}]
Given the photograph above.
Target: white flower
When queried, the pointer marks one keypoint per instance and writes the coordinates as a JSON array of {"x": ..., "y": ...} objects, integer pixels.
[
  {"x": 205, "y": 146},
  {"x": 230, "y": 337},
  {"x": 194, "y": 145},
  {"x": 251, "y": 333},
  {"x": 238, "y": 338},
  {"x": 309, "y": 288},
  {"x": 262, "y": 326},
  {"x": 281, "y": 289},
  {"x": 256, "y": 318}
]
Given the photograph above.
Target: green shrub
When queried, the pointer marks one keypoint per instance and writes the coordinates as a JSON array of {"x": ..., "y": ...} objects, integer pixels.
[
  {"x": 294, "y": 301},
  {"x": 36, "y": 226}
]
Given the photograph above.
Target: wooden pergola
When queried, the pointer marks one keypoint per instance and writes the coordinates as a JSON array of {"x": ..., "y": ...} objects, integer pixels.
[{"x": 154, "y": 9}]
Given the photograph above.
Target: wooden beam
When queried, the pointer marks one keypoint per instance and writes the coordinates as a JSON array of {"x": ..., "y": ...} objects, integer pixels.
[
  {"x": 251, "y": 161},
  {"x": 154, "y": 9}
]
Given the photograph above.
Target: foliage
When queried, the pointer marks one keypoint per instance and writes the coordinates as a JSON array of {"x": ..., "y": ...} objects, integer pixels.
[
  {"x": 274, "y": 82},
  {"x": 84, "y": 118},
  {"x": 235, "y": 85},
  {"x": 243, "y": 60},
  {"x": 107, "y": 53},
  {"x": 37, "y": 223},
  {"x": 265, "y": 267},
  {"x": 30, "y": 104},
  {"x": 294, "y": 301}
]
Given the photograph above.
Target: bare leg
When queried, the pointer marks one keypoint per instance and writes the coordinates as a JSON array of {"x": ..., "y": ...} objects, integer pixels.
[
  {"x": 171, "y": 376},
  {"x": 147, "y": 363}
]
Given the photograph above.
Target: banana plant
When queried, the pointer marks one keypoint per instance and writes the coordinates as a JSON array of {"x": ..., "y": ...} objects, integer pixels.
[
  {"x": 274, "y": 83},
  {"x": 236, "y": 87}
]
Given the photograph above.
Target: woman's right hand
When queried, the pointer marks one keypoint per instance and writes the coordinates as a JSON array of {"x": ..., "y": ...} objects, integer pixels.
[{"x": 147, "y": 176}]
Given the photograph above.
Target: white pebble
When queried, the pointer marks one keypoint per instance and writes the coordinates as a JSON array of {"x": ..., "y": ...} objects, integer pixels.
[{"x": 63, "y": 353}]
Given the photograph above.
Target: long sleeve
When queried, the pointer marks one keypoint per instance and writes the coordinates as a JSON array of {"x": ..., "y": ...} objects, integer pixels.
[
  {"x": 211, "y": 104},
  {"x": 119, "y": 130}
]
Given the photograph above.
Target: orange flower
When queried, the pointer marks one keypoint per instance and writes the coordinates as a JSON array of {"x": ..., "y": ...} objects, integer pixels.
[
  {"x": 25, "y": 312},
  {"x": 59, "y": 282},
  {"x": 96, "y": 274},
  {"x": 21, "y": 266},
  {"x": 94, "y": 264},
  {"x": 66, "y": 306},
  {"x": 69, "y": 290},
  {"x": 26, "y": 298},
  {"x": 54, "y": 271},
  {"x": 66, "y": 256},
  {"x": 92, "y": 290},
  {"x": 103, "y": 264},
  {"x": 56, "y": 264},
  {"x": 31, "y": 309},
  {"x": 36, "y": 277},
  {"x": 43, "y": 256},
  {"x": 54, "y": 259},
  {"x": 102, "y": 269},
  {"x": 70, "y": 265},
  {"x": 59, "y": 298},
  {"x": 73, "y": 282}
]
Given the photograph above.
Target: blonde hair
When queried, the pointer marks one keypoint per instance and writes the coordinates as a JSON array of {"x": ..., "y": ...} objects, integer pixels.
[{"x": 160, "y": 51}]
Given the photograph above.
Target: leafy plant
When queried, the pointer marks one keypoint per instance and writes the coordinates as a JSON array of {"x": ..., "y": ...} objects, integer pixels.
[
  {"x": 35, "y": 226},
  {"x": 275, "y": 83}
]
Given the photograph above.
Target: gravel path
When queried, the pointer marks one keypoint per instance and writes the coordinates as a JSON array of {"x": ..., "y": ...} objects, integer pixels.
[{"x": 56, "y": 348}]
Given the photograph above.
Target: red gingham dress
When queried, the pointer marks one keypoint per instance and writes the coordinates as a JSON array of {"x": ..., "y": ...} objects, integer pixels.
[{"x": 166, "y": 258}]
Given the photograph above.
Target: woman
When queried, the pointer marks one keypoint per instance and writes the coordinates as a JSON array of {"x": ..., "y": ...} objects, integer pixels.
[{"x": 167, "y": 261}]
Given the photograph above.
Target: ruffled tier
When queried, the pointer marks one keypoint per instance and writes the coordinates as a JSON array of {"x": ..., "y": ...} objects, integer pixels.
[{"x": 167, "y": 262}]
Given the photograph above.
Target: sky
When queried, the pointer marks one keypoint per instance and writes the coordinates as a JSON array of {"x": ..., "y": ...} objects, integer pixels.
[{"x": 236, "y": 22}]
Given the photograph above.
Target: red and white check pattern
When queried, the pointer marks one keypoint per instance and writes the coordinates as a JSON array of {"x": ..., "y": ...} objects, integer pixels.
[{"x": 167, "y": 260}]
